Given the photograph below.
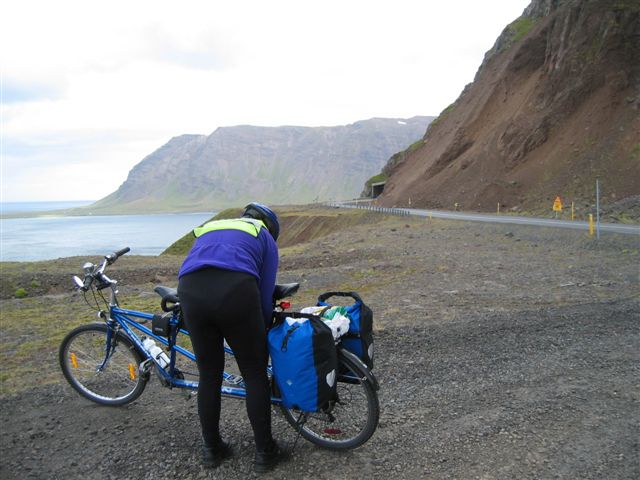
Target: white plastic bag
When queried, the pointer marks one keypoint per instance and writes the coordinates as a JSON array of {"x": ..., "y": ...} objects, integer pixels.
[{"x": 333, "y": 317}]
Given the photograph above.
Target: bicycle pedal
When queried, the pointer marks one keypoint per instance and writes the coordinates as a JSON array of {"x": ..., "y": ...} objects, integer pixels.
[
  {"x": 234, "y": 380},
  {"x": 189, "y": 394}
]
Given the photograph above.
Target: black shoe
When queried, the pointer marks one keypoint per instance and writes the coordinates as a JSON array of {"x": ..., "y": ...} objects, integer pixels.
[
  {"x": 268, "y": 458},
  {"x": 213, "y": 456}
]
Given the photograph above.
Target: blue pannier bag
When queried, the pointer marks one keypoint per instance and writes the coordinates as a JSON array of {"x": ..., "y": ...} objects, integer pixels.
[
  {"x": 359, "y": 338},
  {"x": 305, "y": 361}
]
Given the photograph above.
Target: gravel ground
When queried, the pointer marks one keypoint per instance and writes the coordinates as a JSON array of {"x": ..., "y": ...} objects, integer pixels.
[{"x": 502, "y": 352}]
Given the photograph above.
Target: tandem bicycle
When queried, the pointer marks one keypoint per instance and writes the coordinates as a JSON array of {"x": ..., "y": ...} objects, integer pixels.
[{"x": 110, "y": 362}]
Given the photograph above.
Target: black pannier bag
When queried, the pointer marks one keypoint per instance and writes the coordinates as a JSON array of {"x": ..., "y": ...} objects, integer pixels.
[
  {"x": 359, "y": 338},
  {"x": 160, "y": 325}
]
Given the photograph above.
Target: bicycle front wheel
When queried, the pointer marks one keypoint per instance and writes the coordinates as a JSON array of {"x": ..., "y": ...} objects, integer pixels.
[
  {"x": 353, "y": 418},
  {"x": 105, "y": 377}
]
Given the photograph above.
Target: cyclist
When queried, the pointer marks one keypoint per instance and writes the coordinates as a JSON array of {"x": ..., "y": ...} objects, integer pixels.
[{"x": 226, "y": 288}]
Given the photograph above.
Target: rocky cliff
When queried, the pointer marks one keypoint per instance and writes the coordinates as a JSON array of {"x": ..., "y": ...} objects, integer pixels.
[
  {"x": 554, "y": 105},
  {"x": 276, "y": 165}
]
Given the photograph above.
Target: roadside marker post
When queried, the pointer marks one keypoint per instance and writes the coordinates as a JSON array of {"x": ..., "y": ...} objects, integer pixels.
[
  {"x": 591, "y": 224},
  {"x": 498, "y": 213},
  {"x": 598, "y": 207},
  {"x": 572, "y": 212}
]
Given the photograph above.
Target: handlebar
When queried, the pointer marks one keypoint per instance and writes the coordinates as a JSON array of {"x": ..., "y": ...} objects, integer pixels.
[
  {"x": 112, "y": 257},
  {"x": 91, "y": 273}
]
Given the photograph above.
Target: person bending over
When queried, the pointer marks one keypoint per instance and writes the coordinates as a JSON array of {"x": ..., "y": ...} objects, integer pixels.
[{"x": 226, "y": 286}]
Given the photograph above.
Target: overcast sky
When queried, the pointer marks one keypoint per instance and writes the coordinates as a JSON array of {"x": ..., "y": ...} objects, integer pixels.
[{"x": 90, "y": 88}]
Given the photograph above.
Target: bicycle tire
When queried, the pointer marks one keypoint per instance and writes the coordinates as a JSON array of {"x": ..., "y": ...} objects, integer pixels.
[
  {"x": 81, "y": 355},
  {"x": 352, "y": 420}
]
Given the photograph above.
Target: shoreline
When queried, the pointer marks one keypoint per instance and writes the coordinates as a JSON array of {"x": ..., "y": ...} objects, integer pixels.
[{"x": 76, "y": 212}]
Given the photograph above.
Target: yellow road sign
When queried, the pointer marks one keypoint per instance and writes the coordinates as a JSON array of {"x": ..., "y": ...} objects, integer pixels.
[{"x": 557, "y": 205}]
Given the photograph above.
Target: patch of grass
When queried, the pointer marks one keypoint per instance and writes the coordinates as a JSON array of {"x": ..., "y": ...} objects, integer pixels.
[
  {"x": 228, "y": 213},
  {"x": 33, "y": 328},
  {"x": 630, "y": 5},
  {"x": 443, "y": 115},
  {"x": 414, "y": 146},
  {"x": 521, "y": 27},
  {"x": 381, "y": 177},
  {"x": 181, "y": 246},
  {"x": 625, "y": 218},
  {"x": 20, "y": 293}
]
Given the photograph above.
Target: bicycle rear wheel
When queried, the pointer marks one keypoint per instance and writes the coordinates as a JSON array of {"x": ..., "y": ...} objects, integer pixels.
[
  {"x": 107, "y": 379},
  {"x": 353, "y": 418}
]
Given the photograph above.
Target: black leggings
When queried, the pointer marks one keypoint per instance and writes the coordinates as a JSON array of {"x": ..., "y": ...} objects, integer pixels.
[{"x": 222, "y": 304}]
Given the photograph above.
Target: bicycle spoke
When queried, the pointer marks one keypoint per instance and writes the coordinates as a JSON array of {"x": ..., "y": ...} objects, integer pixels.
[
  {"x": 112, "y": 382},
  {"x": 349, "y": 422}
]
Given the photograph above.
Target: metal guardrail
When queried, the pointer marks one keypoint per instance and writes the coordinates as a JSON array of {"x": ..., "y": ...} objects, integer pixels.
[{"x": 366, "y": 205}]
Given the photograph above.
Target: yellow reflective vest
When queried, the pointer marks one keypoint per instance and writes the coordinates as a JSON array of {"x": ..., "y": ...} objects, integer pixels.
[{"x": 248, "y": 225}]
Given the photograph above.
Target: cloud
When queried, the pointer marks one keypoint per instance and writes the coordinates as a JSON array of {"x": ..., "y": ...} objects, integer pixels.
[
  {"x": 75, "y": 165},
  {"x": 14, "y": 91},
  {"x": 205, "y": 51},
  {"x": 50, "y": 146}
]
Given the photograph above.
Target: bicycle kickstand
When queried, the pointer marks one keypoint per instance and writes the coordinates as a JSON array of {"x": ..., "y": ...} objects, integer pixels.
[{"x": 302, "y": 419}]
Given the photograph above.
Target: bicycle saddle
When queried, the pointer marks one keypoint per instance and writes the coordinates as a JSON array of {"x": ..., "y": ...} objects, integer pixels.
[
  {"x": 169, "y": 297},
  {"x": 170, "y": 294},
  {"x": 283, "y": 290}
]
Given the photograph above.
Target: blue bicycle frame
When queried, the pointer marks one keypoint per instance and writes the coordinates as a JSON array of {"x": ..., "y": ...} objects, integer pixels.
[{"x": 124, "y": 318}]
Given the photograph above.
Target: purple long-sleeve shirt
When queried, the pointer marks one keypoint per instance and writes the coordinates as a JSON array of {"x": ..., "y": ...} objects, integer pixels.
[{"x": 240, "y": 252}]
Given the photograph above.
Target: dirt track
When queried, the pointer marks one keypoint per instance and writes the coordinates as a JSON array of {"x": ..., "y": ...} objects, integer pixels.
[{"x": 502, "y": 352}]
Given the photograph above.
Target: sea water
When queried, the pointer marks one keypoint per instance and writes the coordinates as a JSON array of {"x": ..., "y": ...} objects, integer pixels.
[{"x": 49, "y": 237}]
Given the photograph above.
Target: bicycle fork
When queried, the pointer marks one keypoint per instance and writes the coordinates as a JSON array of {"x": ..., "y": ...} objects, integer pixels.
[{"x": 109, "y": 348}]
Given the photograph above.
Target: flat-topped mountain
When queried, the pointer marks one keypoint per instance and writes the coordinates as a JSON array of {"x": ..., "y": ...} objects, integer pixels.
[{"x": 276, "y": 165}]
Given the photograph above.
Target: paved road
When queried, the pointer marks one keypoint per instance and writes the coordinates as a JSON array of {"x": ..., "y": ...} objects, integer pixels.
[
  {"x": 481, "y": 217},
  {"x": 542, "y": 222}
]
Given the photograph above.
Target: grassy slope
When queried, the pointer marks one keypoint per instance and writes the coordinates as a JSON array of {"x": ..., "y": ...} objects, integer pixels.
[{"x": 298, "y": 224}]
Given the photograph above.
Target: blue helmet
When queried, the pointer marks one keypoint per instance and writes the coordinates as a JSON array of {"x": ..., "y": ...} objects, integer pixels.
[{"x": 264, "y": 213}]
